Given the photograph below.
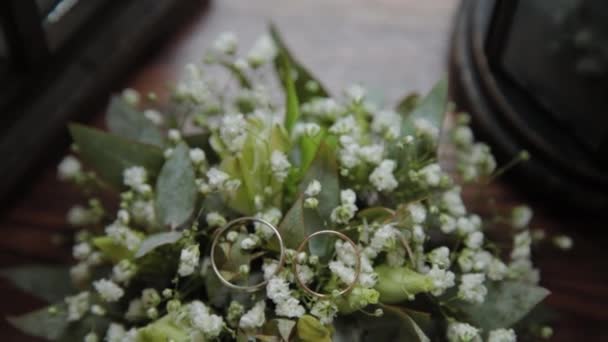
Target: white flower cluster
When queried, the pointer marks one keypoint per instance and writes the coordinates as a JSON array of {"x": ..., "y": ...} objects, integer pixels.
[
  {"x": 278, "y": 291},
  {"x": 343, "y": 213},
  {"x": 210, "y": 325},
  {"x": 188, "y": 260}
]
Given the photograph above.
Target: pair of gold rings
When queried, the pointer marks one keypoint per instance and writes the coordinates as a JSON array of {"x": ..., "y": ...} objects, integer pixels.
[{"x": 281, "y": 264}]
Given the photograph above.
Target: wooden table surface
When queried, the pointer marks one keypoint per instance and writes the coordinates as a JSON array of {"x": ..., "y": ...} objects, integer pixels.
[{"x": 393, "y": 46}]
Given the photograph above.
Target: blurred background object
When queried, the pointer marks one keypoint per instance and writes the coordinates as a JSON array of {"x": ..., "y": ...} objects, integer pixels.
[
  {"x": 534, "y": 76},
  {"x": 59, "y": 57}
]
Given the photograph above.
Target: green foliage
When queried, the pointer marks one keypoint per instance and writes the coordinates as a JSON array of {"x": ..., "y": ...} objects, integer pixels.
[
  {"x": 506, "y": 303},
  {"x": 397, "y": 284},
  {"x": 311, "y": 330},
  {"x": 431, "y": 108},
  {"x": 156, "y": 240},
  {"x": 304, "y": 78},
  {"x": 237, "y": 73},
  {"x": 51, "y": 283},
  {"x": 162, "y": 330},
  {"x": 292, "y": 105},
  {"x": 110, "y": 154},
  {"x": 126, "y": 121},
  {"x": 111, "y": 250},
  {"x": 407, "y": 104},
  {"x": 176, "y": 189}
]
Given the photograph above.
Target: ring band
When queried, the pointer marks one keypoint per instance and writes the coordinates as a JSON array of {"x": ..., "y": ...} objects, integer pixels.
[
  {"x": 357, "y": 265},
  {"x": 221, "y": 232}
]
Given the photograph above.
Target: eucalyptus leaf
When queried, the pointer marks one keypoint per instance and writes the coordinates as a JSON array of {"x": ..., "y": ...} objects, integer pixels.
[
  {"x": 431, "y": 108},
  {"x": 304, "y": 78},
  {"x": 49, "y": 322},
  {"x": 506, "y": 303},
  {"x": 157, "y": 240},
  {"x": 292, "y": 106},
  {"x": 292, "y": 227},
  {"x": 311, "y": 330},
  {"x": 56, "y": 282},
  {"x": 176, "y": 188},
  {"x": 110, "y": 154},
  {"x": 128, "y": 122}
]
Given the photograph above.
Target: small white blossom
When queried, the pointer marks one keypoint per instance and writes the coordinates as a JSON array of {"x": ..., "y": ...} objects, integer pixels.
[
  {"x": 311, "y": 203},
  {"x": 197, "y": 156},
  {"x": 448, "y": 224},
  {"x": 226, "y": 43},
  {"x": 306, "y": 274},
  {"x": 349, "y": 155},
  {"x": 209, "y": 324},
  {"x": 81, "y": 250},
  {"x": 502, "y": 335},
  {"x": 417, "y": 212},
  {"x": 324, "y": 310},
  {"x": 463, "y": 136},
  {"x": 217, "y": 179},
  {"x": 124, "y": 236},
  {"x": 474, "y": 240},
  {"x": 563, "y": 242},
  {"x": 78, "y": 305},
  {"x": 68, "y": 168},
  {"x": 91, "y": 337},
  {"x": 453, "y": 202},
  {"x": 521, "y": 245},
  {"x": 279, "y": 165},
  {"x": 387, "y": 123},
  {"x": 131, "y": 96},
  {"x": 355, "y": 92},
  {"x": 135, "y": 177},
  {"x": 108, "y": 290},
  {"x": 345, "y": 252},
  {"x": 313, "y": 188},
  {"x": 348, "y": 196},
  {"x": 263, "y": 51},
  {"x": 124, "y": 271},
  {"x": 250, "y": 242},
  {"x": 521, "y": 216},
  {"x": 343, "y": 213},
  {"x": 382, "y": 177},
  {"x": 440, "y": 256},
  {"x": 290, "y": 308},
  {"x": 80, "y": 273},
  {"x": 255, "y": 317},
  {"x": 472, "y": 288},
  {"x": 431, "y": 174},
  {"x": 344, "y": 273},
  {"x": 442, "y": 280},
  {"x": 345, "y": 125},
  {"x": 188, "y": 260},
  {"x": 372, "y": 154},
  {"x": 277, "y": 289},
  {"x": 174, "y": 135},
  {"x": 233, "y": 131},
  {"x": 154, "y": 116},
  {"x": 462, "y": 332},
  {"x": 425, "y": 127},
  {"x": 273, "y": 216},
  {"x": 79, "y": 216},
  {"x": 311, "y": 129},
  {"x": 116, "y": 333},
  {"x": 215, "y": 219}
]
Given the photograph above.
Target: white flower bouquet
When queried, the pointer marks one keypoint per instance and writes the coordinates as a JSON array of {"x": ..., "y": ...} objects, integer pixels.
[{"x": 243, "y": 216}]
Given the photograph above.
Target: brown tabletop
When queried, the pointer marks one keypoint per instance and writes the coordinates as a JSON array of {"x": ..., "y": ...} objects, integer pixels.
[{"x": 391, "y": 46}]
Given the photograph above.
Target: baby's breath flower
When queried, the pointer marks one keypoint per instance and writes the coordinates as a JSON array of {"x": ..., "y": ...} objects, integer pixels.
[
  {"x": 311, "y": 203},
  {"x": 135, "y": 177},
  {"x": 197, "y": 156},
  {"x": 154, "y": 116},
  {"x": 442, "y": 280},
  {"x": 431, "y": 174},
  {"x": 131, "y": 96},
  {"x": 425, "y": 127},
  {"x": 497, "y": 270},
  {"x": 344, "y": 273},
  {"x": 263, "y": 51},
  {"x": 174, "y": 135},
  {"x": 563, "y": 242},
  {"x": 124, "y": 236},
  {"x": 116, "y": 333},
  {"x": 472, "y": 289},
  {"x": 521, "y": 216},
  {"x": 81, "y": 250},
  {"x": 463, "y": 136},
  {"x": 124, "y": 271},
  {"x": 372, "y": 153},
  {"x": 233, "y": 131},
  {"x": 277, "y": 289},
  {"x": 355, "y": 92},
  {"x": 324, "y": 310},
  {"x": 387, "y": 123},
  {"x": 91, "y": 337},
  {"x": 290, "y": 308},
  {"x": 345, "y": 125},
  {"x": 215, "y": 219},
  {"x": 255, "y": 317},
  {"x": 273, "y": 216},
  {"x": 448, "y": 223},
  {"x": 79, "y": 216},
  {"x": 250, "y": 242},
  {"x": 453, "y": 202},
  {"x": 108, "y": 290},
  {"x": 382, "y": 177},
  {"x": 150, "y": 298},
  {"x": 462, "y": 332},
  {"x": 474, "y": 240},
  {"x": 188, "y": 260},
  {"x": 69, "y": 168},
  {"x": 417, "y": 212},
  {"x": 502, "y": 335},
  {"x": 201, "y": 318},
  {"x": 78, "y": 305},
  {"x": 313, "y": 188},
  {"x": 440, "y": 256},
  {"x": 521, "y": 245},
  {"x": 279, "y": 165},
  {"x": 80, "y": 273},
  {"x": 226, "y": 43},
  {"x": 217, "y": 179}
]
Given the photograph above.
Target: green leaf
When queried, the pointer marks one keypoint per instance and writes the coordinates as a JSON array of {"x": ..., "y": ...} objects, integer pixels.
[
  {"x": 292, "y": 227},
  {"x": 304, "y": 78},
  {"x": 157, "y": 240},
  {"x": 111, "y": 250},
  {"x": 311, "y": 330},
  {"x": 292, "y": 106},
  {"x": 407, "y": 104},
  {"x": 397, "y": 284},
  {"x": 128, "y": 122},
  {"x": 309, "y": 145},
  {"x": 395, "y": 325},
  {"x": 56, "y": 284},
  {"x": 162, "y": 330},
  {"x": 176, "y": 188},
  {"x": 110, "y": 154},
  {"x": 506, "y": 303},
  {"x": 432, "y": 108},
  {"x": 237, "y": 73},
  {"x": 324, "y": 168},
  {"x": 376, "y": 214},
  {"x": 43, "y": 323}
]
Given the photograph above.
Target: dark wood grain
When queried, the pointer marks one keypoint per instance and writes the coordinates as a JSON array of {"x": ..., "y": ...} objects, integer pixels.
[{"x": 391, "y": 45}]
